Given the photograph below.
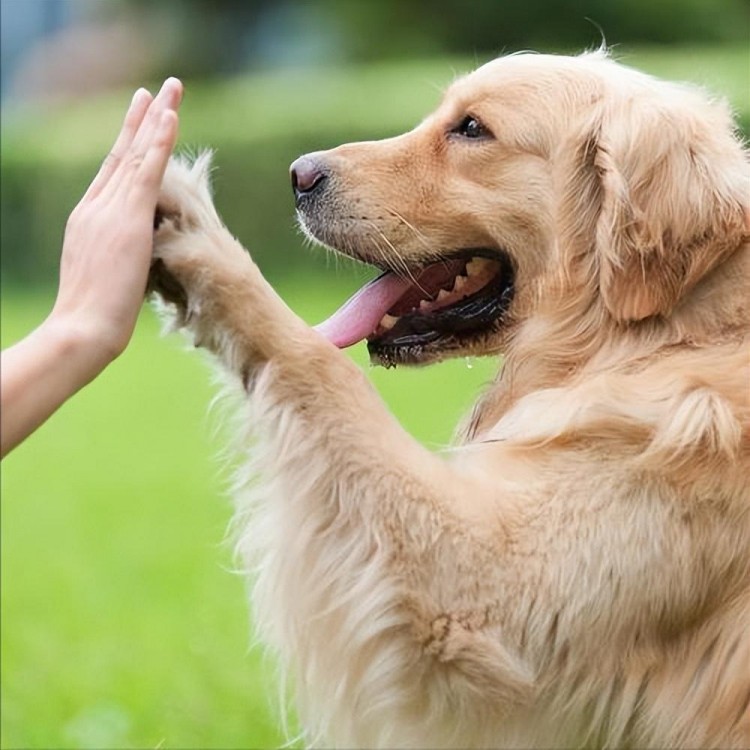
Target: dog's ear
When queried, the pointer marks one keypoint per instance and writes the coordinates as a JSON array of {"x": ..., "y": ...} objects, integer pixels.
[{"x": 672, "y": 181}]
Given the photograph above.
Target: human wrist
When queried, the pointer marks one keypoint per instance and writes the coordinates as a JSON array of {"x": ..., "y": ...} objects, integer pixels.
[{"x": 80, "y": 345}]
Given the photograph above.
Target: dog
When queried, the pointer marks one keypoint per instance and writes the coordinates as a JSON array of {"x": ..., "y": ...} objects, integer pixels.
[{"x": 575, "y": 570}]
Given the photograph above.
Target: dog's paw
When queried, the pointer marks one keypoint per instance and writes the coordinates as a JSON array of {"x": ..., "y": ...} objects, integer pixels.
[
  {"x": 185, "y": 201},
  {"x": 184, "y": 213}
]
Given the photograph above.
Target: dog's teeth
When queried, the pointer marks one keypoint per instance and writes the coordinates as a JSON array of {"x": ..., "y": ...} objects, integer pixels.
[
  {"x": 388, "y": 321},
  {"x": 425, "y": 305},
  {"x": 459, "y": 283},
  {"x": 474, "y": 266},
  {"x": 443, "y": 295}
]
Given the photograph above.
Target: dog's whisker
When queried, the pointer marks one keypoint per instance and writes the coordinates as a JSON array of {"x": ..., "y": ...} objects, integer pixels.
[
  {"x": 417, "y": 233},
  {"x": 401, "y": 268},
  {"x": 408, "y": 274}
]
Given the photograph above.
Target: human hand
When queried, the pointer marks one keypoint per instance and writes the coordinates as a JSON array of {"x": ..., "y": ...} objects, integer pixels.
[
  {"x": 105, "y": 261},
  {"x": 108, "y": 238}
]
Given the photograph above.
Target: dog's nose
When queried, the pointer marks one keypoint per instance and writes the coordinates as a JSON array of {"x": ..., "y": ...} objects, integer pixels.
[{"x": 307, "y": 174}]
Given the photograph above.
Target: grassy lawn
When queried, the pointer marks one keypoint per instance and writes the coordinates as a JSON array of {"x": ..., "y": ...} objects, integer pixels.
[{"x": 122, "y": 625}]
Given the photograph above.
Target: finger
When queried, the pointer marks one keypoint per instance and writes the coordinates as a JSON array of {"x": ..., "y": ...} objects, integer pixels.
[
  {"x": 168, "y": 98},
  {"x": 133, "y": 119},
  {"x": 151, "y": 170}
]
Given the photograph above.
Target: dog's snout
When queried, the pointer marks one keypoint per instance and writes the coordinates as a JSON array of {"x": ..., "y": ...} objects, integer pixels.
[{"x": 307, "y": 174}]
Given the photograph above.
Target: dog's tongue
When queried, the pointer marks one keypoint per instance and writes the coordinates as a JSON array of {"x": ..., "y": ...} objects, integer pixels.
[{"x": 359, "y": 316}]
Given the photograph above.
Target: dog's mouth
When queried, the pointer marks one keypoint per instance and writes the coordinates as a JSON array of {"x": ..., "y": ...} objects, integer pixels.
[{"x": 430, "y": 312}]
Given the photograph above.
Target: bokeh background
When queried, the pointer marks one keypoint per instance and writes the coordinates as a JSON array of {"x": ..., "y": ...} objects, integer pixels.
[{"x": 123, "y": 624}]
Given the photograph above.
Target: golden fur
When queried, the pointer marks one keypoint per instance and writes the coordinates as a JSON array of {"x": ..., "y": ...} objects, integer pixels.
[{"x": 576, "y": 570}]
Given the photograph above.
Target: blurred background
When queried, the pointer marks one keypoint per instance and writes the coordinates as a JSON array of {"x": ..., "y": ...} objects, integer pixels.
[{"x": 123, "y": 624}]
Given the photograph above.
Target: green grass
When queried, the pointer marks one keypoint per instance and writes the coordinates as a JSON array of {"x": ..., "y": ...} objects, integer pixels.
[{"x": 122, "y": 625}]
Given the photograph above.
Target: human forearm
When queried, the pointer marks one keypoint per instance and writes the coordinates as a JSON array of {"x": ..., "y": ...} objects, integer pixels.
[{"x": 42, "y": 371}]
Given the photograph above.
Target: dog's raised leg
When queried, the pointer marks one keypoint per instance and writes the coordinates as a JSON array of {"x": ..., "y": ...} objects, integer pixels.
[{"x": 362, "y": 561}]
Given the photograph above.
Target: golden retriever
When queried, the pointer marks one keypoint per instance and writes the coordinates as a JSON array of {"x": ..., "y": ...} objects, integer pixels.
[{"x": 576, "y": 569}]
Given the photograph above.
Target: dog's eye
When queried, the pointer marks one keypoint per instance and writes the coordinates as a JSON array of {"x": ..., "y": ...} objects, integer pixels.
[{"x": 470, "y": 127}]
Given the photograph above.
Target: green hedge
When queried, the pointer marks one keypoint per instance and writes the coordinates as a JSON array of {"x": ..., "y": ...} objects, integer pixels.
[{"x": 257, "y": 124}]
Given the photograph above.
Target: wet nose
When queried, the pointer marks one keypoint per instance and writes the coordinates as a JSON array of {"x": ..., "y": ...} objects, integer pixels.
[{"x": 307, "y": 174}]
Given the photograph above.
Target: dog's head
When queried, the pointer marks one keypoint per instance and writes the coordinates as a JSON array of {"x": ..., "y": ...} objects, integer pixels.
[{"x": 533, "y": 166}]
